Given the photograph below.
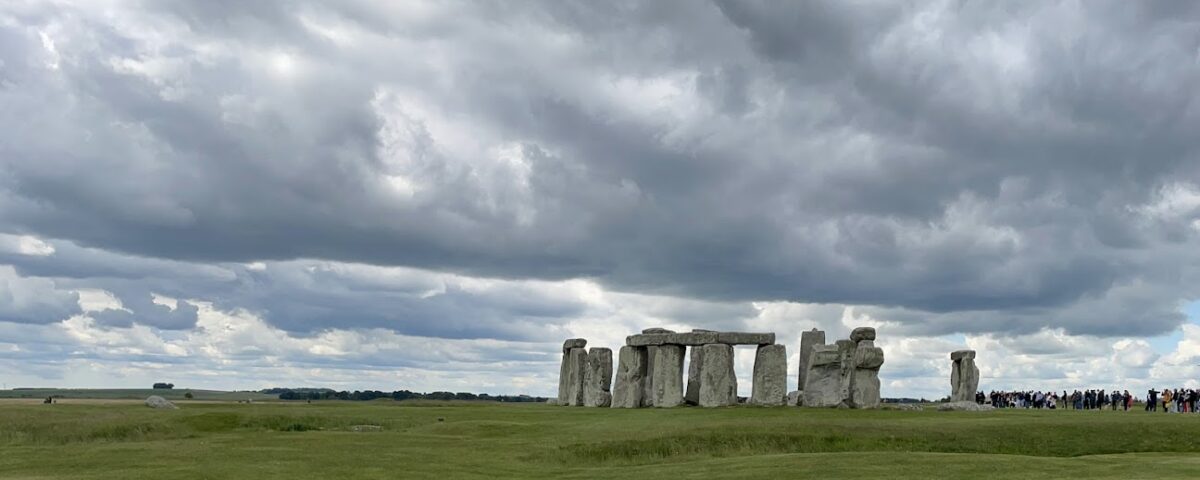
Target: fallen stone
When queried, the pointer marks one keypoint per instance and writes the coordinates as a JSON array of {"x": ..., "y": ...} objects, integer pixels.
[
  {"x": 862, "y": 333},
  {"x": 597, "y": 378},
  {"x": 915, "y": 407},
  {"x": 807, "y": 341},
  {"x": 770, "y": 376},
  {"x": 629, "y": 387},
  {"x": 668, "y": 375},
  {"x": 964, "y": 407},
  {"x": 795, "y": 398},
  {"x": 691, "y": 395},
  {"x": 742, "y": 338},
  {"x": 573, "y": 343},
  {"x": 366, "y": 428},
  {"x": 155, "y": 401},
  {"x": 718, "y": 382}
]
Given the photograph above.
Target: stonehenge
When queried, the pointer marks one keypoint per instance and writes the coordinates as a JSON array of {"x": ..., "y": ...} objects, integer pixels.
[
  {"x": 650, "y": 371},
  {"x": 597, "y": 378},
  {"x": 770, "y": 376},
  {"x": 964, "y": 376},
  {"x": 718, "y": 382},
  {"x": 845, "y": 374},
  {"x": 807, "y": 340},
  {"x": 632, "y": 373}
]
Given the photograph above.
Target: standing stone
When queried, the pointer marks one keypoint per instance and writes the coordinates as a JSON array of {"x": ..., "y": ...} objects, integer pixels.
[
  {"x": 823, "y": 383},
  {"x": 846, "y": 350},
  {"x": 864, "y": 378},
  {"x": 631, "y": 377},
  {"x": 770, "y": 376},
  {"x": 576, "y": 365},
  {"x": 564, "y": 370},
  {"x": 597, "y": 378},
  {"x": 668, "y": 375},
  {"x": 807, "y": 341},
  {"x": 695, "y": 361},
  {"x": 964, "y": 376},
  {"x": 651, "y": 352},
  {"x": 718, "y": 382}
]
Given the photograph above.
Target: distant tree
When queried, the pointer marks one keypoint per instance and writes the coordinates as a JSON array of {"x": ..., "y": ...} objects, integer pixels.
[
  {"x": 188, "y": 395},
  {"x": 164, "y": 386}
]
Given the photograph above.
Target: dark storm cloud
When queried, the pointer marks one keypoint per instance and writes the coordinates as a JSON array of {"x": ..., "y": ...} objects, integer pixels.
[{"x": 961, "y": 167}]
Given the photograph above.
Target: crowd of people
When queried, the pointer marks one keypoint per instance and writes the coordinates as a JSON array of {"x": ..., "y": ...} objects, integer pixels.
[{"x": 1179, "y": 400}]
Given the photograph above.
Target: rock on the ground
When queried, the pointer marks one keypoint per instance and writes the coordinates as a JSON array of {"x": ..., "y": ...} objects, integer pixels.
[
  {"x": 795, "y": 398},
  {"x": 964, "y": 407},
  {"x": 718, "y": 383},
  {"x": 155, "y": 401},
  {"x": 629, "y": 385},
  {"x": 770, "y": 376}
]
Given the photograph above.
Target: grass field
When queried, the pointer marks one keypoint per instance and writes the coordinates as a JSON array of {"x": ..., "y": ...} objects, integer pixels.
[
  {"x": 133, "y": 394},
  {"x": 120, "y": 440}
]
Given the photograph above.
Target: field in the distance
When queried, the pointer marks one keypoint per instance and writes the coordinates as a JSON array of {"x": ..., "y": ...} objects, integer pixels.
[
  {"x": 132, "y": 394},
  {"x": 486, "y": 440}
]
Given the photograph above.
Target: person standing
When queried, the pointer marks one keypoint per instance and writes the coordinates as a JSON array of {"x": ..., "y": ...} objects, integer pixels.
[{"x": 1151, "y": 400}]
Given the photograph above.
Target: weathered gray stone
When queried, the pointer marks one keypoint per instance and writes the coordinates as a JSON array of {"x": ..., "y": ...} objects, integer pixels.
[
  {"x": 744, "y": 338},
  {"x": 155, "y": 401},
  {"x": 718, "y": 382},
  {"x": 864, "y": 378},
  {"x": 795, "y": 398},
  {"x": 597, "y": 378},
  {"x": 629, "y": 387},
  {"x": 964, "y": 406},
  {"x": 964, "y": 376},
  {"x": 914, "y": 407},
  {"x": 807, "y": 341},
  {"x": 862, "y": 333},
  {"x": 691, "y": 396},
  {"x": 573, "y": 343},
  {"x": 657, "y": 330},
  {"x": 770, "y": 376},
  {"x": 823, "y": 383},
  {"x": 564, "y": 378},
  {"x": 576, "y": 365},
  {"x": 648, "y": 384},
  {"x": 668, "y": 375},
  {"x": 564, "y": 369},
  {"x": 689, "y": 339}
]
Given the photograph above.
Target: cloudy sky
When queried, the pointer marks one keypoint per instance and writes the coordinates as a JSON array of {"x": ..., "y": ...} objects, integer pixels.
[{"x": 432, "y": 196}]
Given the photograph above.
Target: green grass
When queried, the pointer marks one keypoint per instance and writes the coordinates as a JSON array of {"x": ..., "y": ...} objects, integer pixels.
[
  {"x": 488, "y": 440},
  {"x": 133, "y": 394}
]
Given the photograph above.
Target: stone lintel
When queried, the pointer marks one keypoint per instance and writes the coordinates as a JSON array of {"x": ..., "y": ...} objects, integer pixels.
[
  {"x": 695, "y": 339},
  {"x": 961, "y": 354}
]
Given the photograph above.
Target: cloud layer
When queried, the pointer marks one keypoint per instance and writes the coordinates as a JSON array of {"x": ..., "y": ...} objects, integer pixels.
[{"x": 527, "y": 171}]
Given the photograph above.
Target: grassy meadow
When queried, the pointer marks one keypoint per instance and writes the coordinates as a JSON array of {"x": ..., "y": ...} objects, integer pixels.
[{"x": 118, "y": 439}]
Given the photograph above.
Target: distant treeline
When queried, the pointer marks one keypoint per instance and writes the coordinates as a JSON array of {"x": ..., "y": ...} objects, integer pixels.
[{"x": 363, "y": 395}]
